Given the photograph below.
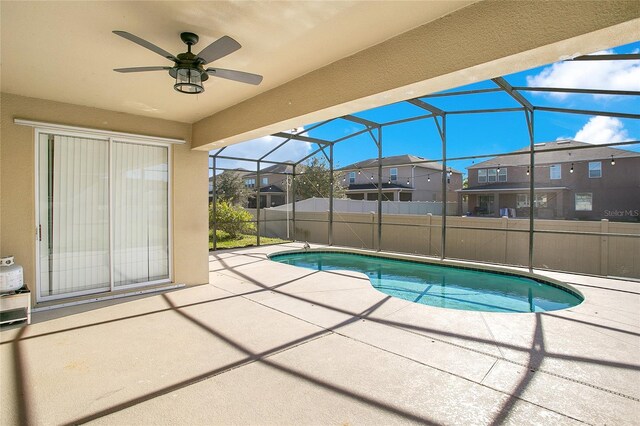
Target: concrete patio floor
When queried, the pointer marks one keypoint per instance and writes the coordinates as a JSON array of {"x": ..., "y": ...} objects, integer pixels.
[{"x": 268, "y": 343}]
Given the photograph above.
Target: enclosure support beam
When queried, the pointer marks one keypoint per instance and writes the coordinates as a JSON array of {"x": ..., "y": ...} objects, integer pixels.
[
  {"x": 379, "y": 143},
  {"x": 258, "y": 203},
  {"x": 443, "y": 136},
  {"x": 532, "y": 172},
  {"x": 213, "y": 205},
  {"x": 331, "y": 194},
  {"x": 293, "y": 205}
]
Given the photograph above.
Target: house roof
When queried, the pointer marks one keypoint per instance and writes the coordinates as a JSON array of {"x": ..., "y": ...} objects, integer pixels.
[
  {"x": 568, "y": 156},
  {"x": 275, "y": 169},
  {"x": 396, "y": 160},
  {"x": 370, "y": 186}
]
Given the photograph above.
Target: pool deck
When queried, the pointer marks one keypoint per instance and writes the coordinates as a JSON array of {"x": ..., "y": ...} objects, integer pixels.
[{"x": 268, "y": 343}]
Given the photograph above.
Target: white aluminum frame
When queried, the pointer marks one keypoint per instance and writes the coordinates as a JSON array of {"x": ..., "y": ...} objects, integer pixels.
[{"x": 109, "y": 137}]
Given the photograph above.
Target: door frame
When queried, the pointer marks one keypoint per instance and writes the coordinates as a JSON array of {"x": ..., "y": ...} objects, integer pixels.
[{"x": 109, "y": 138}]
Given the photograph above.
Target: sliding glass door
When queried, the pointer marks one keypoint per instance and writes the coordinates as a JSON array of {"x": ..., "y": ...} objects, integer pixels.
[
  {"x": 140, "y": 214},
  {"x": 103, "y": 215}
]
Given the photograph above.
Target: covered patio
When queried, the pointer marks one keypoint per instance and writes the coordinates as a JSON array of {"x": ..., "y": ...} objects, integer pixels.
[{"x": 324, "y": 347}]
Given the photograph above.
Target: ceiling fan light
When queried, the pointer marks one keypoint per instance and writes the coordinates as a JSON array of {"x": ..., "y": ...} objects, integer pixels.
[{"x": 188, "y": 80}]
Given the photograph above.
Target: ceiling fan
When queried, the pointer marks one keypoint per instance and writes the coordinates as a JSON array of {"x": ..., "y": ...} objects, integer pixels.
[{"x": 188, "y": 69}]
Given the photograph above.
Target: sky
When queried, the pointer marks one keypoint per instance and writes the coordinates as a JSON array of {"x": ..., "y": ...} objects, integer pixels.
[{"x": 481, "y": 134}]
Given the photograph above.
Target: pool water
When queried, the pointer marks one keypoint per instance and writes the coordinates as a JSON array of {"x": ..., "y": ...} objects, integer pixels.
[{"x": 442, "y": 286}]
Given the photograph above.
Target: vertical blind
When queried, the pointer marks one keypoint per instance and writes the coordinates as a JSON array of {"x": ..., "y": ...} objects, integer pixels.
[
  {"x": 140, "y": 210},
  {"x": 75, "y": 217}
]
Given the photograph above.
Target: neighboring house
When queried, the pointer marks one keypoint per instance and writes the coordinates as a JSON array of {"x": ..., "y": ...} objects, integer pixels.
[
  {"x": 589, "y": 184},
  {"x": 404, "y": 178},
  {"x": 273, "y": 185},
  {"x": 239, "y": 171}
]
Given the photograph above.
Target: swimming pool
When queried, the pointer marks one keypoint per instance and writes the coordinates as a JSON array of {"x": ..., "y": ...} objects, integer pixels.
[{"x": 449, "y": 287}]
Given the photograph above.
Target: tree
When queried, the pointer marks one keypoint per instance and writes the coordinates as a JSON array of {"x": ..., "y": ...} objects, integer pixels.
[
  {"x": 230, "y": 188},
  {"x": 314, "y": 180},
  {"x": 234, "y": 220}
]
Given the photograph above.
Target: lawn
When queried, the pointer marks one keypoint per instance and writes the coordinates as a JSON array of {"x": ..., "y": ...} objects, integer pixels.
[{"x": 244, "y": 240}]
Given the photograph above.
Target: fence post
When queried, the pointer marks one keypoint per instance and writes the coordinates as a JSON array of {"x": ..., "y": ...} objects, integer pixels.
[
  {"x": 504, "y": 221},
  {"x": 429, "y": 216},
  {"x": 604, "y": 247}
]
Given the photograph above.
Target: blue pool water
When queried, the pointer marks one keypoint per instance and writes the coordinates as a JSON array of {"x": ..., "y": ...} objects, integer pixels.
[{"x": 442, "y": 286}]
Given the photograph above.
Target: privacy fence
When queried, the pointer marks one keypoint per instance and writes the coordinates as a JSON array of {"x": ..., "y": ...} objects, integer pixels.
[{"x": 596, "y": 247}]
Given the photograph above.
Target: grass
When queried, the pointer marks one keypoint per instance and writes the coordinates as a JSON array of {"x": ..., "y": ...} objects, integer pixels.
[{"x": 224, "y": 241}]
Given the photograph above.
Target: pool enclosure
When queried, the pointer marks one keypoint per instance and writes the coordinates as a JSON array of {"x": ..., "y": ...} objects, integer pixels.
[{"x": 545, "y": 202}]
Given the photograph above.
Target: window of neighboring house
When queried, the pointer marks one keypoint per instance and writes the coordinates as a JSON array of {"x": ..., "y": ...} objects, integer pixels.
[
  {"x": 595, "y": 169},
  {"x": 265, "y": 181},
  {"x": 492, "y": 175},
  {"x": 502, "y": 175},
  {"x": 482, "y": 176},
  {"x": 250, "y": 183},
  {"x": 352, "y": 177},
  {"x": 522, "y": 201},
  {"x": 584, "y": 202},
  {"x": 393, "y": 174},
  {"x": 541, "y": 200},
  {"x": 555, "y": 172}
]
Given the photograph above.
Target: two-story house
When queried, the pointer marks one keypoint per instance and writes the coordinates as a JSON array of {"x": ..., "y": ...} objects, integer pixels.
[
  {"x": 239, "y": 171},
  {"x": 583, "y": 183},
  {"x": 272, "y": 186},
  {"x": 404, "y": 178}
]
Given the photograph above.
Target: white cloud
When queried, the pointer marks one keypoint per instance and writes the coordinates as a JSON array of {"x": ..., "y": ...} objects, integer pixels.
[
  {"x": 608, "y": 75},
  {"x": 600, "y": 130},
  {"x": 256, "y": 148}
]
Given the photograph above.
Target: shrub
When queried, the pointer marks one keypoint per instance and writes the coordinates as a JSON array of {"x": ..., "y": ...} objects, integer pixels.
[{"x": 233, "y": 220}]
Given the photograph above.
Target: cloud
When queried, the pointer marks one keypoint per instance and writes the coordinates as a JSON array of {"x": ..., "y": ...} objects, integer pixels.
[
  {"x": 256, "y": 148},
  {"x": 601, "y": 130},
  {"x": 608, "y": 75}
]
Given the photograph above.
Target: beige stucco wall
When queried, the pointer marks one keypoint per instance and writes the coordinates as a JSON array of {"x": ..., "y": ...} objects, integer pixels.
[
  {"x": 485, "y": 40},
  {"x": 17, "y": 180}
]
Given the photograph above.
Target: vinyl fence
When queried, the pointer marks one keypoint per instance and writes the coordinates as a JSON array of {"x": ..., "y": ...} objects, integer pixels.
[{"x": 573, "y": 246}]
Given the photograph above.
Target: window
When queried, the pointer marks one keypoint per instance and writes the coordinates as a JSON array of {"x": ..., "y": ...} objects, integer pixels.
[
  {"x": 492, "y": 175},
  {"x": 540, "y": 201},
  {"x": 352, "y": 177},
  {"x": 522, "y": 201},
  {"x": 502, "y": 175},
  {"x": 555, "y": 172},
  {"x": 584, "y": 201},
  {"x": 250, "y": 182},
  {"x": 595, "y": 169},
  {"x": 265, "y": 181},
  {"x": 393, "y": 174},
  {"x": 482, "y": 176}
]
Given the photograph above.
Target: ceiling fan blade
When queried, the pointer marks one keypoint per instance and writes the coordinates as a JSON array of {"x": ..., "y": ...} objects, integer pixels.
[
  {"x": 142, "y": 69},
  {"x": 146, "y": 44},
  {"x": 243, "y": 77},
  {"x": 218, "y": 49}
]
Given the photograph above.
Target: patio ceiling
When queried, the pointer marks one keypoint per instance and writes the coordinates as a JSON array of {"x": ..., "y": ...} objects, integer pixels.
[{"x": 65, "y": 51}]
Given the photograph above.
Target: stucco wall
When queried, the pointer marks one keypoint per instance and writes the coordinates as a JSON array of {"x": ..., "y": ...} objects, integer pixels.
[{"x": 17, "y": 180}]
